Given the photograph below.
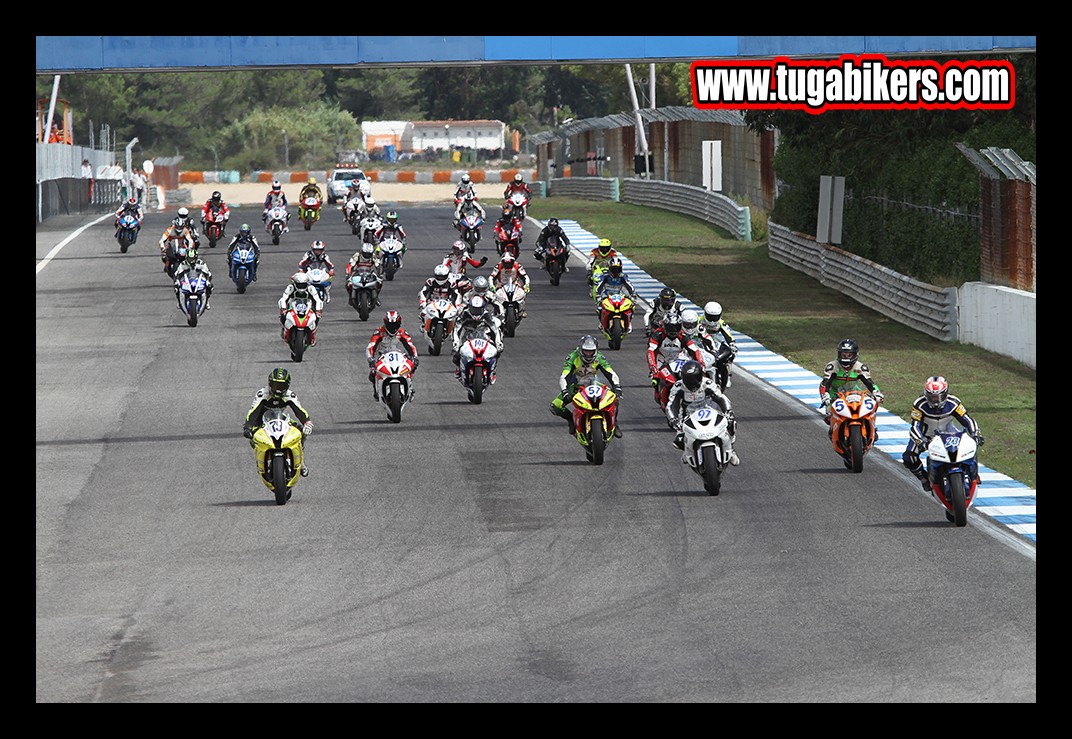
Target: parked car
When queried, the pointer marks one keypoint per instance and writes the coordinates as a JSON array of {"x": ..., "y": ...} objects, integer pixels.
[{"x": 339, "y": 182}]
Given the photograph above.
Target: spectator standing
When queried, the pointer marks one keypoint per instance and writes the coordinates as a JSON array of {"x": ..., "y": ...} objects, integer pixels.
[
  {"x": 87, "y": 175},
  {"x": 137, "y": 184}
]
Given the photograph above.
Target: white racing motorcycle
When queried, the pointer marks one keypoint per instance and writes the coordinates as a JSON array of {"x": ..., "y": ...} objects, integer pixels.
[{"x": 707, "y": 444}]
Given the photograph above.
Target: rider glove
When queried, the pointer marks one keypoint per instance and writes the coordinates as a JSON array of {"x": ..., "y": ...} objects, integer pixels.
[
  {"x": 307, "y": 429},
  {"x": 247, "y": 432},
  {"x": 618, "y": 390}
]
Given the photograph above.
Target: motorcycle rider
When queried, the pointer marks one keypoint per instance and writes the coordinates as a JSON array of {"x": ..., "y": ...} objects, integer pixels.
[
  {"x": 482, "y": 287},
  {"x": 435, "y": 287},
  {"x": 299, "y": 289},
  {"x": 310, "y": 189},
  {"x": 355, "y": 198},
  {"x": 194, "y": 263},
  {"x": 365, "y": 256},
  {"x": 244, "y": 236},
  {"x": 182, "y": 218},
  {"x": 712, "y": 331},
  {"x": 396, "y": 337},
  {"x": 277, "y": 395},
  {"x": 517, "y": 185},
  {"x": 614, "y": 280},
  {"x": 505, "y": 226},
  {"x": 468, "y": 204},
  {"x": 459, "y": 258},
  {"x": 509, "y": 270},
  {"x": 551, "y": 229},
  {"x": 212, "y": 206},
  {"x": 691, "y": 390},
  {"x": 664, "y": 345},
  {"x": 275, "y": 198},
  {"x": 845, "y": 367},
  {"x": 129, "y": 206},
  {"x": 317, "y": 258},
  {"x": 933, "y": 411},
  {"x": 582, "y": 362},
  {"x": 599, "y": 256},
  {"x": 666, "y": 303},
  {"x": 391, "y": 228},
  {"x": 476, "y": 314},
  {"x": 174, "y": 231},
  {"x": 465, "y": 185},
  {"x": 371, "y": 210}
]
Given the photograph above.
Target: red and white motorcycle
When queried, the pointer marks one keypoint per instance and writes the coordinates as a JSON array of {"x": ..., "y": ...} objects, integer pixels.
[
  {"x": 438, "y": 316},
  {"x": 299, "y": 324},
  {"x": 394, "y": 377},
  {"x": 477, "y": 359}
]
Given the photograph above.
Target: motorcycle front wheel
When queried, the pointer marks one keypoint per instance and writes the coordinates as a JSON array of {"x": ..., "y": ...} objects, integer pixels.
[
  {"x": 192, "y": 312},
  {"x": 394, "y": 403},
  {"x": 554, "y": 267},
  {"x": 712, "y": 475},
  {"x": 476, "y": 390},
  {"x": 279, "y": 479},
  {"x": 363, "y": 307},
  {"x": 597, "y": 441},
  {"x": 510, "y": 321},
  {"x": 856, "y": 448},
  {"x": 241, "y": 280},
  {"x": 297, "y": 344},
  {"x": 958, "y": 499},
  {"x": 437, "y": 340},
  {"x": 616, "y": 333}
]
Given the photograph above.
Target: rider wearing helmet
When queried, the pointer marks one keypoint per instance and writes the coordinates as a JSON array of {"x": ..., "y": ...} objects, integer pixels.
[
  {"x": 468, "y": 204},
  {"x": 691, "y": 390},
  {"x": 458, "y": 258},
  {"x": 582, "y": 363},
  {"x": 846, "y": 367},
  {"x": 437, "y": 286},
  {"x": 182, "y": 218},
  {"x": 465, "y": 185},
  {"x": 505, "y": 228},
  {"x": 391, "y": 227},
  {"x": 600, "y": 256},
  {"x": 666, "y": 303},
  {"x": 509, "y": 270},
  {"x": 482, "y": 287},
  {"x": 615, "y": 280},
  {"x": 551, "y": 229},
  {"x": 300, "y": 289},
  {"x": 275, "y": 197},
  {"x": 212, "y": 206},
  {"x": 131, "y": 206},
  {"x": 277, "y": 395},
  {"x": 476, "y": 314},
  {"x": 934, "y": 410},
  {"x": 193, "y": 263},
  {"x": 365, "y": 257},
  {"x": 517, "y": 185},
  {"x": 714, "y": 331},
  {"x": 390, "y": 336},
  {"x": 182, "y": 235},
  {"x": 665, "y": 344},
  {"x": 244, "y": 237},
  {"x": 310, "y": 188},
  {"x": 317, "y": 258}
]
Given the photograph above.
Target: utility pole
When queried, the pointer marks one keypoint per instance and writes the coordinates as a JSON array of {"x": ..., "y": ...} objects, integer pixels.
[{"x": 642, "y": 139}]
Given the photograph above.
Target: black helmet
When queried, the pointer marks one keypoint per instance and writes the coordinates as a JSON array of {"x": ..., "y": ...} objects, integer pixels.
[
  {"x": 552, "y": 223},
  {"x": 691, "y": 375},
  {"x": 244, "y": 229},
  {"x": 614, "y": 266},
  {"x": 216, "y": 197},
  {"x": 672, "y": 325},
  {"x": 477, "y": 307},
  {"x": 588, "y": 348},
  {"x": 936, "y": 390},
  {"x": 848, "y": 351},
  {"x": 279, "y": 382},
  {"x": 666, "y": 298}
]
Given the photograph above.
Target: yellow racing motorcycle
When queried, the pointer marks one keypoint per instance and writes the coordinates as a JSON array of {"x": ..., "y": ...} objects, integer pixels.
[{"x": 277, "y": 447}]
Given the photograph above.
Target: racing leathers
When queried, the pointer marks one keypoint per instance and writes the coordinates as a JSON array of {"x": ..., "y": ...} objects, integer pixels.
[
  {"x": 574, "y": 372},
  {"x": 926, "y": 422},
  {"x": 683, "y": 401}
]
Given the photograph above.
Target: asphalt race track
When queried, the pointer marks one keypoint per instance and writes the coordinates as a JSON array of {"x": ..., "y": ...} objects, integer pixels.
[{"x": 469, "y": 553}]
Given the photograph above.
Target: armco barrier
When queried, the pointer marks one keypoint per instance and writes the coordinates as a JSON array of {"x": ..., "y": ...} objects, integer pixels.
[{"x": 479, "y": 176}]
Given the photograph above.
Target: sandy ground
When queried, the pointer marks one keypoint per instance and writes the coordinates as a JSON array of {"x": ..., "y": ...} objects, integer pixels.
[{"x": 249, "y": 193}]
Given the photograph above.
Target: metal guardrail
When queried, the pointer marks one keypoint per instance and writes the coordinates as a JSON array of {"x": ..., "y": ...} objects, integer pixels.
[{"x": 697, "y": 202}]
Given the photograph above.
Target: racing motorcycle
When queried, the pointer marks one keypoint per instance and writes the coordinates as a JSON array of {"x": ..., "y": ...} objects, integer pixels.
[
  {"x": 309, "y": 211},
  {"x": 354, "y": 219},
  {"x": 852, "y": 422},
  {"x": 723, "y": 358},
  {"x": 953, "y": 472},
  {"x": 299, "y": 322},
  {"x": 214, "y": 226},
  {"x": 279, "y": 452},
  {"x": 242, "y": 265},
  {"x": 276, "y": 225},
  {"x": 616, "y": 317},
  {"x": 370, "y": 224},
  {"x": 595, "y": 410},
  {"x": 364, "y": 290},
  {"x": 706, "y": 440},
  {"x": 321, "y": 280},
  {"x": 469, "y": 226},
  {"x": 555, "y": 256},
  {"x": 127, "y": 231},
  {"x": 174, "y": 255},
  {"x": 668, "y": 371},
  {"x": 394, "y": 371},
  {"x": 477, "y": 359},
  {"x": 439, "y": 315},
  {"x": 519, "y": 201},
  {"x": 599, "y": 271},
  {"x": 511, "y": 296},
  {"x": 508, "y": 241},
  {"x": 391, "y": 256},
  {"x": 192, "y": 295}
]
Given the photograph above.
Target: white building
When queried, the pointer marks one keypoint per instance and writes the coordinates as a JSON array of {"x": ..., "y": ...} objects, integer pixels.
[
  {"x": 378, "y": 134},
  {"x": 422, "y": 135}
]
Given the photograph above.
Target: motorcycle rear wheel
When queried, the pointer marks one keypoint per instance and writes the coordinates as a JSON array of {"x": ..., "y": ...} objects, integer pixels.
[
  {"x": 279, "y": 480},
  {"x": 958, "y": 500},
  {"x": 597, "y": 441}
]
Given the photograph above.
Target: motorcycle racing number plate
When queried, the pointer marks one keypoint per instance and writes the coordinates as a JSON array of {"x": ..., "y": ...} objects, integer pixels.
[
  {"x": 277, "y": 427},
  {"x": 392, "y": 357},
  {"x": 703, "y": 414},
  {"x": 593, "y": 391}
]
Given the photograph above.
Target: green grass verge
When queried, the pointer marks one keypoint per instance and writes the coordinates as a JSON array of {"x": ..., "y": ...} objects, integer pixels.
[{"x": 793, "y": 315}]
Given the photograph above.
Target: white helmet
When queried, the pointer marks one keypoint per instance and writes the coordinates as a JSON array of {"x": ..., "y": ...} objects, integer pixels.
[
  {"x": 690, "y": 322},
  {"x": 441, "y": 273},
  {"x": 184, "y": 213},
  {"x": 713, "y": 312},
  {"x": 370, "y": 201},
  {"x": 300, "y": 280}
]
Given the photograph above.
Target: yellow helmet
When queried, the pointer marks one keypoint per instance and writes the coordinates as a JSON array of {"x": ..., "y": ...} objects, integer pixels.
[{"x": 312, "y": 180}]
